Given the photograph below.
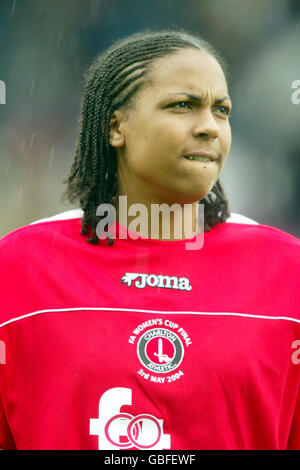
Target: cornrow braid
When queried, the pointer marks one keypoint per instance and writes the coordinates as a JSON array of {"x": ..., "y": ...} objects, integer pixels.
[{"x": 111, "y": 82}]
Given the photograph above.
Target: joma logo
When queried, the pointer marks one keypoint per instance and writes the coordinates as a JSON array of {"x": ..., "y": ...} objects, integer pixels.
[{"x": 152, "y": 280}]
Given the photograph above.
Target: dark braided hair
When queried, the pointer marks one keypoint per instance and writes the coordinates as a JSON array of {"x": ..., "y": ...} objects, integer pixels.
[{"x": 111, "y": 83}]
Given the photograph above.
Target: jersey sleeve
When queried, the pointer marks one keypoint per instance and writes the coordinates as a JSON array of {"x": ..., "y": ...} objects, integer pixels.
[
  {"x": 294, "y": 439},
  {"x": 6, "y": 288},
  {"x": 6, "y": 439}
]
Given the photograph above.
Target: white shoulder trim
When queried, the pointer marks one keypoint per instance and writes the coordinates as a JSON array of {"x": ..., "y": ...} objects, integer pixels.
[
  {"x": 78, "y": 213},
  {"x": 240, "y": 219},
  {"x": 72, "y": 214}
]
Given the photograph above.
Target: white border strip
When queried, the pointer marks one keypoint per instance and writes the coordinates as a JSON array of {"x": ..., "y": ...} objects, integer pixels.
[
  {"x": 72, "y": 214},
  {"x": 247, "y": 315},
  {"x": 234, "y": 218}
]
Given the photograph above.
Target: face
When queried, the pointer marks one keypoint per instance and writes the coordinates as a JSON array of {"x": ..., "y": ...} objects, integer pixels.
[{"x": 184, "y": 111}]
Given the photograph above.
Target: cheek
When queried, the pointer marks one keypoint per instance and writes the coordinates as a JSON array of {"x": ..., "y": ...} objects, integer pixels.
[
  {"x": 151, "y": 146},
  {"x": 167, "y": 142},
  {"x": 226, "y": 138},
  {"x": 156, "y": 143}
]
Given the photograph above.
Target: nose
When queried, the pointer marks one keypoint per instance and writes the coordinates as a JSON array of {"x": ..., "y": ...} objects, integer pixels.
[{"x": 206, "y": 125}]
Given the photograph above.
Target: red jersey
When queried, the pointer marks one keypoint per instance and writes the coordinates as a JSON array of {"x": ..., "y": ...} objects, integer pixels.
[{"x": 147, "y": 345}]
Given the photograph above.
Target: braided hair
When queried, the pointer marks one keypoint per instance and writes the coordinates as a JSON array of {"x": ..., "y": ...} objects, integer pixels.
[{"x": 111, "y": 83}]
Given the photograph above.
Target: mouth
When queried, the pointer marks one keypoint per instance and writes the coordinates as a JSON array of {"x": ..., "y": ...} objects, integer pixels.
[
  {"x": 201, "y": 155},
  {"x": 199, "y": 158}
]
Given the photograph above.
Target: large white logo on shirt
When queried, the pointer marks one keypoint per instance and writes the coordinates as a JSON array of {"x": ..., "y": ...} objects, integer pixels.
[
  {"x": 153, "y": 280},
  {"x": 117, "y": 430}
]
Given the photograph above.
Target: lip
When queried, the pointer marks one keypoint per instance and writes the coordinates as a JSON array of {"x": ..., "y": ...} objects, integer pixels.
[{"x": 202, "y": 153}]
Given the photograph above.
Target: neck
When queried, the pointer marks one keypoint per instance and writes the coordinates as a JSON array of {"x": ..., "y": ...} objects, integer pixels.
[{"x": 159, "y": 220}]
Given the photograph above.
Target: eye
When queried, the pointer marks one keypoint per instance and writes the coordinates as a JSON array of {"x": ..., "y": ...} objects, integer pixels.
[
  {"x": 226, "y": 110},
  {"x": 181, "y": 102}
]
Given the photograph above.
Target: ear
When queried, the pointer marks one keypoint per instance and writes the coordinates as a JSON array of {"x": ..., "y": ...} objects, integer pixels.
[{"x": 116, "y": 134}]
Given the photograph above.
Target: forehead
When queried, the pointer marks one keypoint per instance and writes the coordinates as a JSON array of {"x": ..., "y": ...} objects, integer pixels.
[{"x": 188, "y": 69}]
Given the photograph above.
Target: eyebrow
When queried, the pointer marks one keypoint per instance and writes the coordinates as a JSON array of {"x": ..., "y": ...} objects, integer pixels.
[{"x": 198, "y": 98}]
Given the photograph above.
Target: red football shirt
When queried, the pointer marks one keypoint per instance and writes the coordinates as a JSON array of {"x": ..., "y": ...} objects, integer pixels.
[{"x": 147, "y": 345}]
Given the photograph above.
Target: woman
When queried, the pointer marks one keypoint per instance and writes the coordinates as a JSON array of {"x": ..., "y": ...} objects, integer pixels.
[{"x": 142, "y": 342}]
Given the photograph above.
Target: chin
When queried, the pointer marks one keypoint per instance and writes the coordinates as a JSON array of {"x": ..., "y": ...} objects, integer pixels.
[
  {"x": 183, "y": 195},
  {"x": 186, "y": 199},
  {"x": 198, "y": 196}
]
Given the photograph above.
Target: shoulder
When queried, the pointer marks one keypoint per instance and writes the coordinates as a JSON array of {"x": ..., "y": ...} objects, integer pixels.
[
  {"x": 236, "y": 227},
  {"x": 41, "y": 239},
  {"x": 43, "y": 227},
  {"x": 67, "y": 215},
  {"x": 250, "y": 233},
  {"x": 32, "y": 258},
  {"x": 240, "y": 219},
  {"x": 33, "y": 262}
]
